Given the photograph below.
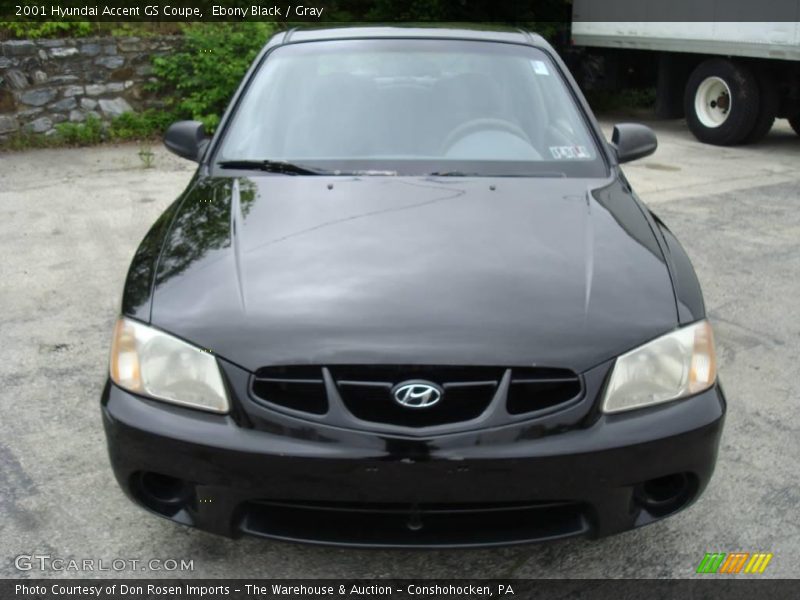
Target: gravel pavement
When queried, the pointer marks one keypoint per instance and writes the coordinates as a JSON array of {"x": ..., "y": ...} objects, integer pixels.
[{"x": 71, "y": 219}]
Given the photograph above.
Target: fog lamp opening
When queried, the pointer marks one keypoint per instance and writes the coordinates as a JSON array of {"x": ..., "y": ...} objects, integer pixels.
[
  {"x": 162, "y": 493},
  {"x": 666, "y": 494}
]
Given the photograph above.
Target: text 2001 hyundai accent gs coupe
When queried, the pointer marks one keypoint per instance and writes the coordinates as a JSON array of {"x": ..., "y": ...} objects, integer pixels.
[{"x": 409, "y": 299}]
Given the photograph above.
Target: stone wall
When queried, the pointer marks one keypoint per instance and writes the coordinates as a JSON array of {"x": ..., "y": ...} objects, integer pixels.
[{"x": 46, "y": 82}]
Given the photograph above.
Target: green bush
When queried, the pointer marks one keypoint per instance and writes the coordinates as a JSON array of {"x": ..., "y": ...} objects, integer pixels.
[
  {"x": 138, "y": 126},
  {"x": 199, "y": 80},
  {"x": 61, "y": 29},
  {"x": 45, "y": 29},
  {"x": 26, "y": 140},
  {"x": 127, "y": 126},
  {"x": 80, "y": 134},
  {"x": 146, "y": 125}
]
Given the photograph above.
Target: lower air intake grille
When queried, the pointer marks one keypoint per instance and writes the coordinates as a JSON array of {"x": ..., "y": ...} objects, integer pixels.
[{"x": 424, "y": 525}]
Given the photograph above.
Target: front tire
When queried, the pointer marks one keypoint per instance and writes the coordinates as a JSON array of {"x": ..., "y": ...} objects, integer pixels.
[
  {"x": 721, "y": 102},
  {"x": 795, "y": 123},
  {"x": 768, "y": 104}
]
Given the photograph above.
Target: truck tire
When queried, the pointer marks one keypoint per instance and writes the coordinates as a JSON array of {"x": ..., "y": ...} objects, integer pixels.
[
  {"x": 768, "y": 104},
  {"x": 721, "y": 102},
  {"x": 795, "y": 123}
]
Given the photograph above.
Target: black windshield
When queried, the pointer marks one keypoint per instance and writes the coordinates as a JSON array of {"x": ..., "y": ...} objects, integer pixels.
[{"x": 413, "y": 107}]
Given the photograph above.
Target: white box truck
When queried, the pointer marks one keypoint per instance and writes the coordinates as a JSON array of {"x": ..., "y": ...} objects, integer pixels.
[{"x": 730, "y": 78}]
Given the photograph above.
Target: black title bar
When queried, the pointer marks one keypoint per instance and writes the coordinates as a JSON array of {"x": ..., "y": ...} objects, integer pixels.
[
  {"x": 712, "y": 587},
  {"x": 348, "y": 11}
]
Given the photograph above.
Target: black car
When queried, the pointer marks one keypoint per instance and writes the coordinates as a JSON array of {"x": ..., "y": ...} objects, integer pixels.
[{"x": 410, "y": 299}]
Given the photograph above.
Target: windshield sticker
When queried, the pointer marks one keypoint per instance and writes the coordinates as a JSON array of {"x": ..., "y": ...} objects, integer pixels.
[
  {"x": 539, "y": 67},
  {"x": 569, "y": 152}
]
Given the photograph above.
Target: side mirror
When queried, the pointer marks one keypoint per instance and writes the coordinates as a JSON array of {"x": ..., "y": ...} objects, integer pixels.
[
  {"x": 187, "y": 139},
  {"x": 632, "y": 141}
]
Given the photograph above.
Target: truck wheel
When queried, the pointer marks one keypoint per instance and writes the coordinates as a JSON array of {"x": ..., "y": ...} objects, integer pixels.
[
  {"x": 795, "y": 123},
  {"x": 721, "y": 102},
  {"x": 768, "y": 104}
]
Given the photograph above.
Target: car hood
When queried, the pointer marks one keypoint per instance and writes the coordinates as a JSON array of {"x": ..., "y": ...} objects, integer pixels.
[{"x": 284, "y": 270}]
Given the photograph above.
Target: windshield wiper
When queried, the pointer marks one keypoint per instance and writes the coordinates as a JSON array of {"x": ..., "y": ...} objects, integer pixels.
[
  {"x": 468, "y": 174},
  {"x": 273, "y": 166},
  {"x": 452, "y": 174}
]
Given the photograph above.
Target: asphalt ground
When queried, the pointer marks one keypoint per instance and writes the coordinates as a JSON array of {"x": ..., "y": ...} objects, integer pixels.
[{"x": 70, "y": 221}]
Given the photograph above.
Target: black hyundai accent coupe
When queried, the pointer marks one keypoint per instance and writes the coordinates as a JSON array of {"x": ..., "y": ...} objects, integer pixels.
[{"x": 410, "y": 299}]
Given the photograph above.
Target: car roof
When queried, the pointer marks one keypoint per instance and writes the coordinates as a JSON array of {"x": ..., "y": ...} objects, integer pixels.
[{"x": 461, "y": 32}]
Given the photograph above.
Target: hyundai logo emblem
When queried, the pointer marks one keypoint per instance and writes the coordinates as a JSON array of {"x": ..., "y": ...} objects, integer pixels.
[{"x": 417, "y": 394}]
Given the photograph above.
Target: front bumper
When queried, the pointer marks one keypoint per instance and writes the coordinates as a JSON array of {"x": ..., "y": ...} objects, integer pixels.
[{"x": 326, "y": 485}]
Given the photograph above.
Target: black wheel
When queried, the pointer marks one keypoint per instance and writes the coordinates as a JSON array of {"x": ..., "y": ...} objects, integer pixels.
[
  {"x": 768, "y": 103},
  {"x": 795, "y": 123},
  {"x": 721, "y": 102}
]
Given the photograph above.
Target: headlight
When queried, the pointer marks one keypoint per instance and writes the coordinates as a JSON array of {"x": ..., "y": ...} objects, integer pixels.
[
  {"x": 152, "y": 363},
  {"x": 673, "y": 366}
]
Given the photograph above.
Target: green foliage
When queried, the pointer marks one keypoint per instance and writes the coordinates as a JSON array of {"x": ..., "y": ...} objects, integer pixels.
[
  {"x": 26, "y": 140},
  {"x": 199, "y": 80},
  {"x": 67, "y": 28},
  {"x": 45, "y": 29},
  {"x": 147, "y": 125},
  {"x": 147, "y": 156},
  {"x": 80, "y": 134},
  {"x": 127, "y": 126},
  {"x": 137, "y": 126}
]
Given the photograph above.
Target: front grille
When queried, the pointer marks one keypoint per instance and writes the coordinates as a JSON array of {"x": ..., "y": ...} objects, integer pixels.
[
  {"x": 537, "y": 389},
  {"x": 444, "y": 525},
  {"x": 300, "y": 388},
  {"x": 367, "y": 393},
  {"x": 351, "y": 395}
]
